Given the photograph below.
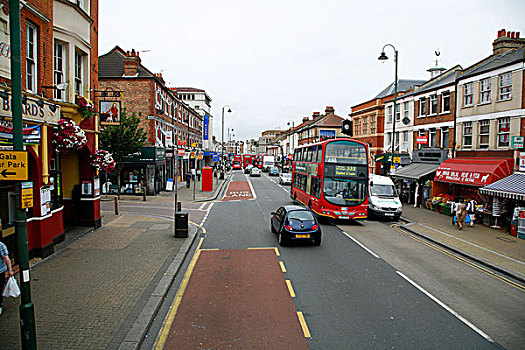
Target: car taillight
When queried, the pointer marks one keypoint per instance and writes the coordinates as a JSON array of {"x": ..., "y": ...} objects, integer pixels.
[
  {"x": 314, "y": 227},
  {"x": 288, "y": 227}
]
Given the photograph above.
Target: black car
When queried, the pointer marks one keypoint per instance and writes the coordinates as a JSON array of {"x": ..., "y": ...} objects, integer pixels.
[{"x": 295, "y": 223}]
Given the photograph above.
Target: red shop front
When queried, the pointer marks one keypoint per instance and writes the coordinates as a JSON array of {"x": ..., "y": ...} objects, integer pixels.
[{"x": 462, "y": 177}]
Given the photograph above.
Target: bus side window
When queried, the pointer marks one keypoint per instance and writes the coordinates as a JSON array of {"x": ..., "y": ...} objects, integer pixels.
[
  {"x": 309, "y": 159},
  {"x": 314, "y": 154},
  {"x": 320, "y": 154}
]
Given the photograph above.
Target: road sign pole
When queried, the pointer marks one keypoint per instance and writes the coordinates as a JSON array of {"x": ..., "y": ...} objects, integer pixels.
[{"x": 27, "y": 310}]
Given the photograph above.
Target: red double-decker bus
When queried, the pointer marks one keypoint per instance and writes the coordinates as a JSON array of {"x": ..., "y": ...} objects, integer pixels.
[
  {"x": 246, "y": 160},
  {"x": 257, "y": 160},
  {"x": 237, "y": 161},
  {"x": 331, "y": 178}
]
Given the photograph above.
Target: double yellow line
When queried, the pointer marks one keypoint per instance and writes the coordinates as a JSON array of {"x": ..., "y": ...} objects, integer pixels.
[{"x": 460, "y": 259}]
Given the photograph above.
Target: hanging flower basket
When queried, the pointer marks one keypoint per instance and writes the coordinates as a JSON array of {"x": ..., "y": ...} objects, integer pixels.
[
  {"x": 69, "y": 136},
  {"x": 85, "y": 106},
  {"x": 103, "y": 160}
]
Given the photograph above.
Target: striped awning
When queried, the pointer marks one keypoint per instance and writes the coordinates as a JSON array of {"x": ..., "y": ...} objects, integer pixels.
[{"x": 511, "y": 187}]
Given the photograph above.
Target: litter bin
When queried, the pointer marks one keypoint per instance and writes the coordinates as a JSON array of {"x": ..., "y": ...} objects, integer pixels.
[{"x": 181, "y": 224}]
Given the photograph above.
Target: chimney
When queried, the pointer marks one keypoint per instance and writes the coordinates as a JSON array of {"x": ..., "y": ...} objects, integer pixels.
[
  {"x": 159, "y": 76},
  {"x": 131, "y": 62},
  {"x": 329, "y": 109},
  {"x": 507, "y": 41},
  {"x": 305, "y": 119},
  {"x": 315, "y": 115}
]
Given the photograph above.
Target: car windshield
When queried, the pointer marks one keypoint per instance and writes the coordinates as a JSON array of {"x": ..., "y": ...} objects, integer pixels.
[
  {"x": 287, "y": 176},
  {"x": 344, "y": 192},
  {"x": 383, "y": 191},
  {"x": 300, "y": 215}
]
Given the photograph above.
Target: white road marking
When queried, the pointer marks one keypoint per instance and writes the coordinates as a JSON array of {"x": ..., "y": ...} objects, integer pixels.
[
  {"x": 253, "y": 191},
  {"x": 440, "y": 303},
  {"x": 202, "y": 206},
  {"x": 361, "y": 245}
]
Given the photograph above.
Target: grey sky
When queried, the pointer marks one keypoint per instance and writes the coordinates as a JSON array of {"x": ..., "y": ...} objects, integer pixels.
[{"x": 274, "y": 61}]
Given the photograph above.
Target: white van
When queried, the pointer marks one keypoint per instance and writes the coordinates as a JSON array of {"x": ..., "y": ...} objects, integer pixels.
[{"x": 383, "y": 200}]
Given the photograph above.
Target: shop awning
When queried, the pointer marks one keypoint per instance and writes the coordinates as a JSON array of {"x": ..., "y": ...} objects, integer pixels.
[
  {"x": 474, "y": 171},
  {"x": 512, "y": 187},
  {"x": 415, "y": 171}
]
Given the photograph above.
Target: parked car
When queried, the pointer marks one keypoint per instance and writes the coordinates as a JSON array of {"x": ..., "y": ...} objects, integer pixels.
[
  {"x": 285, "y": 179},
  {"x": 295, "y": 223},
  {"x": 248, "y": 168},
  {"x": 255, "y": 172},
  {"x": 274, "y": 171},
  {"x": 383, "y": 202}
]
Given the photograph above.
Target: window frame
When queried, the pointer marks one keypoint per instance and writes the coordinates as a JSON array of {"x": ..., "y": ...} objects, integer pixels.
[
  {"x": 445, "y": 95},
  {"x": 432, "y": 137},
  {"x": 503, "y": 133},
  {"x": 373, "y": 124},
  {"x": 406, "y": 109},
  {"x": 467, "y": 126},
  {"x": 484, "y": 90},
  {"x": 433, "y": 105},
  {"x": 31, "y": 57},
  {"x": 422, "y": 107},
  {"x": 59, "y": 94},
  {"x": 398, "y": 112},
  {"x": 501, "y": 87},
  {"x": 484, "y": 134},
  {"x": 468, "y": 94},
  {"x": 444, "y": 131},
  {"x": 79, "y": 70},
  {"x": 390, "y": 114}
]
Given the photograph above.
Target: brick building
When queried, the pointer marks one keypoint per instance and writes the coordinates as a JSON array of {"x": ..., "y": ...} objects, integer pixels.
[
  {"x": 368, "y": 121},
  {"x": 50, "y": 80},
  {"x": 171, "y": 125}
]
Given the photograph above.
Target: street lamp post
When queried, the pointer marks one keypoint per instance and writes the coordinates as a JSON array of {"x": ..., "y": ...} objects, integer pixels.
[
  {"x": 222, "y": 139},
  {"x": 293, "y": 146},
  {"x": 383, "y": 58}
]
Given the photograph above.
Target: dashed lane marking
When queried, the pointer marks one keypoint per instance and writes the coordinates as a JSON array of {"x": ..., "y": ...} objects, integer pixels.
[
  {"x": 290, "y": 288},
  {"x": 283, "y": 268},
  {"x": 274, "y": 248},
  {"x": 304, "y": 326}
]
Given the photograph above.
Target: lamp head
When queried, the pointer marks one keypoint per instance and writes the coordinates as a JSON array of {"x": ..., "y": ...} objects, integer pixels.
[
  {"x": 229, "y": 110},
  {"x": 383, "y": 57}
]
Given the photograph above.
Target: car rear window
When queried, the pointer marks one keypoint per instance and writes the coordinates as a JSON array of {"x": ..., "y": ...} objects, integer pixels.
[{"x": 302, "y": 215}]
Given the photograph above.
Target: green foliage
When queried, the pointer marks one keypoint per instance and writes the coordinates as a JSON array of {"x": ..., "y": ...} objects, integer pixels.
[{"x": 123, "y": 140}]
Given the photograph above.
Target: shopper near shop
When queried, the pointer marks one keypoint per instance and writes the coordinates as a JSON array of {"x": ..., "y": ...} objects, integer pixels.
[
  {"x": 198, "y": 174},
  {"x": 461, "y": 213},
  {"x": 5, "y": 265},
  {"x": 188, "y": 179},
  {"x": 453, "y": 208},
  {"x": 471, "y": 211}
]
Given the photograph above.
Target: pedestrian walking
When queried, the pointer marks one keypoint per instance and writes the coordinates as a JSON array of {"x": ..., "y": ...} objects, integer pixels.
[
  {"x": 198, "y": 174},
  {"x": 193, "y": 174},
  {"x": 453, "y": 209},
  {"x": 5, "y": 265},
  {"x": 188, "y": 179},
  {"x": 461, "y": 213},
  {"x": 471, "y": 211}
]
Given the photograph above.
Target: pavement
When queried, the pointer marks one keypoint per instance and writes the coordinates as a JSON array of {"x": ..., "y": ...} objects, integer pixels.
[{"x": 102, "y": 288}]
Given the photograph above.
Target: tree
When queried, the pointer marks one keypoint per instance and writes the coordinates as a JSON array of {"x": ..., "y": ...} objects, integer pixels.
[{"x": 123, "y": 141}]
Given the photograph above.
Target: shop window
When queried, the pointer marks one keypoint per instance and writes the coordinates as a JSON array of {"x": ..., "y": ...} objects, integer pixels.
[
  {"x": 484, "y": 133},
  {"x": 467, "y": 135},
  {"x": 503, "y": 132}
]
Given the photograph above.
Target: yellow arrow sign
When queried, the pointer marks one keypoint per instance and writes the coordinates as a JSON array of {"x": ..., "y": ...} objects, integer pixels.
[{"x": 13, "y": 165}]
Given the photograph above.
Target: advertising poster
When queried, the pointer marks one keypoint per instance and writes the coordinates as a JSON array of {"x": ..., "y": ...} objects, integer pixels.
[
  {"x": 205, "y": 127},
  {"x": 109, "y": 113}
]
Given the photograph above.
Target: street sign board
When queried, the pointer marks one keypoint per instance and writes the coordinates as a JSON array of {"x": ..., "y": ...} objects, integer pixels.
[
  {"x": 13, "y": 165},
  {"x": 517, "y": 142},
  {"x": 397, "y": 159},
  {"x": 521, "y": 161},
  {"x": 27, "y": 194}
]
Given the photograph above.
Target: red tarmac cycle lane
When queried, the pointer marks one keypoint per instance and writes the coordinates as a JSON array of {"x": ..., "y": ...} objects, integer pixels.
[
  {"x": 238, "y": 190},
  {"x": 236, "y": 299}
]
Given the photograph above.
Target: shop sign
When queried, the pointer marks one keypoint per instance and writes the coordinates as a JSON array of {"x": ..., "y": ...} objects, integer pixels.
[
  {"x": 422, "y": 140},
  {"x": 32, "y": 111},
  {"x": 517, "y": 142},
  {"x": 181, "y": 142},
  {"x": 194, "y": 144},
  {"x": 27, "y": 194},
  {"x": 160, "y": 154},
  {"x": 30, "y": 134},
  {"x": 206, "y": 126},
  {"x": 463, "y": 177},
  {"x": 397, "y": 160},
  {"x": 180, "y": 152},
  {"x": 521, "y": 163},
  {"x": 109, "y": 113},
  {"x": 13, "y": 165}
]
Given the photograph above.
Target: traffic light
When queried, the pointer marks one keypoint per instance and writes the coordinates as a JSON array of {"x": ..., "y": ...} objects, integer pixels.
[{"x": 346, "y": 127}]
